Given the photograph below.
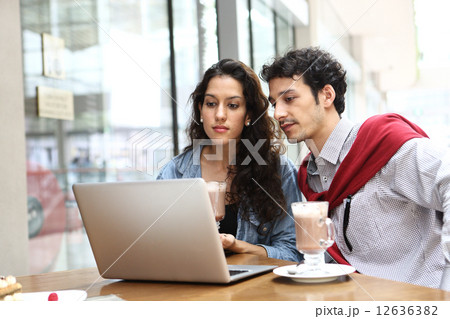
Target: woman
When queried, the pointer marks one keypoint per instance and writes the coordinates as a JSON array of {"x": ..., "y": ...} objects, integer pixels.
[{"x": 231, "y": 139}]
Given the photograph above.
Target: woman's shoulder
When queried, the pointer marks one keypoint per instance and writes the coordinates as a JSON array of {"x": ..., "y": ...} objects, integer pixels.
[
  {"x": 284, "y": 160},
  {"x": 288, "y": 173},
  {"x": 183, "y": 157},
  {"x": 286, "y": 165},
  {"x": 178, "y": 165}
]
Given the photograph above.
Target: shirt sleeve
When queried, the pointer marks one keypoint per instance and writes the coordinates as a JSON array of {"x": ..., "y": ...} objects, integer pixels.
[{"x": 421, "y": 173}]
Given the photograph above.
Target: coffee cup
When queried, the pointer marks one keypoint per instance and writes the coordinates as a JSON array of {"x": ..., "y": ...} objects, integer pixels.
[
  {"x": 314, "y": 231},
  {"x": 217, "y": 191}
]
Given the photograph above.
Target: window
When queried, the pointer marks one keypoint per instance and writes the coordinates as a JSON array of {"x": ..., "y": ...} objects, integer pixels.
[
  {"x": 195, "y": 45},
  {"x": 118, "y": 67},
  {"x": 263, "y": 34}
]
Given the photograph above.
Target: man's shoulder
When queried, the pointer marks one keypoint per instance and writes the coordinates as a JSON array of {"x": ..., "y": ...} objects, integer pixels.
[{"x": 393, "y": 123}]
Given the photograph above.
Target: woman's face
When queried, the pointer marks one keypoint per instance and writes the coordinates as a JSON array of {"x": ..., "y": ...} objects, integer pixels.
[{"x": 224, "y": 110}]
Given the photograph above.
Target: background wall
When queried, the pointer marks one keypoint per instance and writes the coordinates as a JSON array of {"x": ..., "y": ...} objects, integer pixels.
[{"x": 13, "y": 206}]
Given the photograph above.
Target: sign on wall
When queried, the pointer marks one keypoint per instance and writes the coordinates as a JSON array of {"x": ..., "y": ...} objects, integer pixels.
[
  {"x": 55, "y": 103},
  {"x": 53, "y": 56}
]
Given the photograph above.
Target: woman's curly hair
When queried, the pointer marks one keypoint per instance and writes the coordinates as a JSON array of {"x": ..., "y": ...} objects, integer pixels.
[
  {"x": 317, "y": 69},
  {"x": 251, "y": 182}
]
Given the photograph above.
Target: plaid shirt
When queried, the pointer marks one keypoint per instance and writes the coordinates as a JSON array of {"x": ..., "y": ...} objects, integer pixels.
[{"x": 399, "y": 221}]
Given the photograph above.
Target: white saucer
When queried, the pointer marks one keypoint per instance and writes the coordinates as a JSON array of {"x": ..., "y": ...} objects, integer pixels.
[
  {"x": 63, "y": 295},
  {"x": 331, "y": 272}
]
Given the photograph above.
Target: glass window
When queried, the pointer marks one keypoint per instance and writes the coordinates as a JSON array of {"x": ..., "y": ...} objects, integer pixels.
[
  {"x": 117, "y": 65},
  {"x": 195, "y": 44},
  {"x": 207, "y": 34},
  {"x": 285, "y": 35},
  {"x": 244, "y": 39},
  {"x": 263, "y": 35}
]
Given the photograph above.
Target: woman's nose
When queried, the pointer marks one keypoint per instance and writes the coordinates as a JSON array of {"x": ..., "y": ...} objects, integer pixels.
[{"x": 221, "y": 112}]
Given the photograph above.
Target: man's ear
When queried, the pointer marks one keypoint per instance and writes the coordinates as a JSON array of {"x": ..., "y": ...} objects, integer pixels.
[{"x": 328, "y": 95}]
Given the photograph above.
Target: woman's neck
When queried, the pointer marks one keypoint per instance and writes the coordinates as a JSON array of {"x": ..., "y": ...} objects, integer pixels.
[
  {"x": 215, "y": 162},
  {"x": 222, "y": 155}
]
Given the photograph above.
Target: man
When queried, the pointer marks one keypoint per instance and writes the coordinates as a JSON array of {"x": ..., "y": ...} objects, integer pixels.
[{"x": 387, "y": 184}]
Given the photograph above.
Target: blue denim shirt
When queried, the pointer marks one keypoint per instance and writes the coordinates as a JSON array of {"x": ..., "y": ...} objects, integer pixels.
[{"x": 278, "y": 237}]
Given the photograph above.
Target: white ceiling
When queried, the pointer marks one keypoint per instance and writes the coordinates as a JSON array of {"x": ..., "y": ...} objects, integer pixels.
[{"x": 387, "y": 35}]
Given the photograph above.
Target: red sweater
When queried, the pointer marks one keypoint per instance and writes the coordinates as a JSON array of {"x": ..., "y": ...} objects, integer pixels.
[{"x": 378, "y": 139}]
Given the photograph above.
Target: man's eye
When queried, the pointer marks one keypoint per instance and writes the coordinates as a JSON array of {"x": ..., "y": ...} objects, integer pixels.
[{"x": 289, "y": 99}]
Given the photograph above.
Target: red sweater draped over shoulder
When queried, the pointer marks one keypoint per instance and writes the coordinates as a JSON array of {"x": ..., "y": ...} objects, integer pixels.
[{"x": 377, "y": 140}]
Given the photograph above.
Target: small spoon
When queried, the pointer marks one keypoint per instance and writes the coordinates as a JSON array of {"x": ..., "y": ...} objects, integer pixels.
[{"x": 293, "y": 271}]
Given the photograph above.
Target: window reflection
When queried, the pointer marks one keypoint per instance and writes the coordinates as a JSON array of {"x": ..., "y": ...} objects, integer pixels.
[
  {"x": 263, "y": 29},
  {"x": 285, "y": 35},
  {"x": 244, "y": 40},
  {"x": 120, "y": 84},
  {"x": 195, "y": 37},
  {"x": 117, "y": 65}
]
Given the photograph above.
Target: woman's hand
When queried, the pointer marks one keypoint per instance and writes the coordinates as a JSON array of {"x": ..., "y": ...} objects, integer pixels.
[{"x": 228, "y": 241}]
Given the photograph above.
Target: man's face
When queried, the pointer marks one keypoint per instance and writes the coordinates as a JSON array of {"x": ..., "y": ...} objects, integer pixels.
[{"x": 296, "y": 109}]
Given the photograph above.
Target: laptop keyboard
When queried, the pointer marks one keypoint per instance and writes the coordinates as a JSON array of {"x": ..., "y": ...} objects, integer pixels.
[{"x": 237, "y": 271}]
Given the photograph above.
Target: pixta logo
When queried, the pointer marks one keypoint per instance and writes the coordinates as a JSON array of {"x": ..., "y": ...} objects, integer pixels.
[{"x": 149, "y": 151}]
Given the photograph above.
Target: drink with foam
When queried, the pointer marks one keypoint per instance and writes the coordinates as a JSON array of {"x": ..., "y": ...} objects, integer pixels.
[
  {"x": 216, "y": 191},
  {"x": 314, "y": 233},
  {"x": 310, "y": 227}
]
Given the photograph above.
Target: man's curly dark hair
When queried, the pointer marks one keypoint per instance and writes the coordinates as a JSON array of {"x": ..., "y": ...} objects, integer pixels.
[
  {"x": 244, "y": 191},
  {"x": 317, "y": 69}
]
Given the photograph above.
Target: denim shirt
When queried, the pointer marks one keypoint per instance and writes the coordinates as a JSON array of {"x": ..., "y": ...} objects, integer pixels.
[{"x": 278, "y": 236}]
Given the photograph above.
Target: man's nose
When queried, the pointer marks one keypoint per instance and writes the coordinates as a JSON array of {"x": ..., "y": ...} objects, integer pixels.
[{"x": 280, "y": 111}]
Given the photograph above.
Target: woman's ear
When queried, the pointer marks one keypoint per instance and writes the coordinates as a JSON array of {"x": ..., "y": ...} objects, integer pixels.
[
  {"x": 200, "y": 109},
  {"x": 328, "y": 95},
  {"x": 248, "y": 119}
]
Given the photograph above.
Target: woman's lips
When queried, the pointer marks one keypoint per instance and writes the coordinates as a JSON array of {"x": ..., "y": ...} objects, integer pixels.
[{"x": 220, "y": 129}]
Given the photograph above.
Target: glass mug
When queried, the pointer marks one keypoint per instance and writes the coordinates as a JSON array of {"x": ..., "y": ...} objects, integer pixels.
[
  {"x": 314, "y": 234},
  {"x": 216, "y": 191}
]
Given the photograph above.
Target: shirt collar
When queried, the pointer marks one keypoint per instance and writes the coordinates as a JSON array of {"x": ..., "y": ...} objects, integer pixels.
[
  {"x": 334, "y": 144},
  {"x": 311, "y": 167},
  {"x": 189, "y": 162}
]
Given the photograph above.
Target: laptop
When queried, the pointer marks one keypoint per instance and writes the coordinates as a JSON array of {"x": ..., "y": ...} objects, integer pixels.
[{"x": 161, "y": 230}]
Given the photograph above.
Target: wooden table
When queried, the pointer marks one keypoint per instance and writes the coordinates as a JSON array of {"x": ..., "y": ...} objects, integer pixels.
[{"x": 264, "y": 287}]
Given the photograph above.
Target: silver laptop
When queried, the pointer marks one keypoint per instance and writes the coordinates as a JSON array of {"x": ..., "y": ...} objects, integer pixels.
[{"x": 160, "y": 230}]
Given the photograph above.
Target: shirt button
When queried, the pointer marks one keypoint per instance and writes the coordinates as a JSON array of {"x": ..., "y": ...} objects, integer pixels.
[{"x": 325, "y": 179}]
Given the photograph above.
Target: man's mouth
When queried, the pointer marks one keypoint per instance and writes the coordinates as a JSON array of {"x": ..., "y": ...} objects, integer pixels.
[{"x": 285, "y": 126}]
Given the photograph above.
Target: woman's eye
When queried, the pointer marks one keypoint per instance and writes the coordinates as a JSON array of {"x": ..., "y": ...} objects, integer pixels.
[
  {"x": 210, "y": 104},
  {"x": 233, "y": 106}
]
